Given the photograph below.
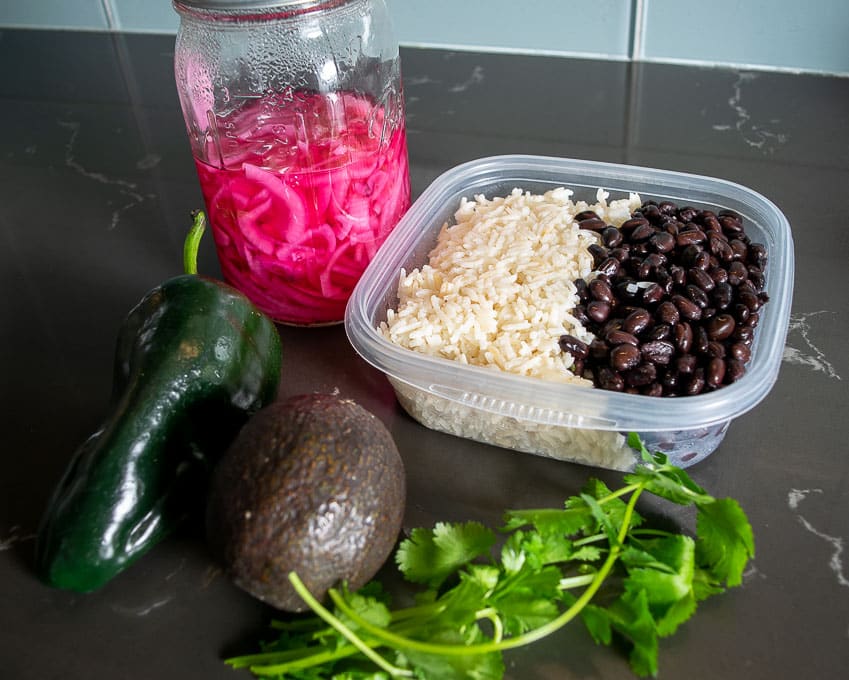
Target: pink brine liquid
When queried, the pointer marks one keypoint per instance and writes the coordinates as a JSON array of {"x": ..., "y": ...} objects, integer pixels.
[{"x": 300, "y": 193}]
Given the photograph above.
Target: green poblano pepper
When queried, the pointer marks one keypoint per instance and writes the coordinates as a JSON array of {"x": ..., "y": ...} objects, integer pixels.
[{"x": 194, "y": 359}]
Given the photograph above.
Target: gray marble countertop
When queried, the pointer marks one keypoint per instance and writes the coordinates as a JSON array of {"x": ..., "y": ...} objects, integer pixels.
[{"x": 97, "y": 182}]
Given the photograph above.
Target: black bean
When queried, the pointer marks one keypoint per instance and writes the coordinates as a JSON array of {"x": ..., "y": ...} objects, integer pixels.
[
  {"x": 664, "y": 279},
  {"x": 599, "y": 349},
  {"x": 662, "y": 242},
  {"x": 593, "y": 224},
  {"x": 620, "y": 253},
  {"x": 687, "y": 213},
  {"x": 653, "y": 293},
  {"x": 624, "y": 357},
  {"x": 642, "y": 232},
  {"x": 718, "y": 274},
  {"x": 756, "y": 276},
  {"x": 608, "y": 267},
  {"x": 627, "y": 290},
  {"x": 599, "y": 289},
  {"x": 734, "y": 370},
  {"x": 715, "y": 372},
  {"x": 700, "y": 340},
  {"x": 580, "y": 314},
  {"x": 757, "y": 255},
  {"x": 703, "y": 260},
  {"x": 739, "y": 249},
  {"x": 653, "y": 390},
  {"x": 730, "y": 224},
  {"x": 688, "y": 255},
  {"x": 611, "y": 237},
  {"x": 744, "y": 334},
  {"x": 670, "y": 381},
  {"x": 715, "y": 233},
  {"x": 582, "y": 289},
  {"x": 618, "y": 337},
  {"x": 683, "y": 335},
  {"x": 737, "y": 273},
  {"x": 709, "y": 221},
  {"x": 572, "y": 345},
  {"x": 697, "y": 295},
  {"x": 585, "y": 215},
  {"x": 750, "y": 299},
  {"x": 661, "y": 331},
  {"x": 609, "y": 379},
  {"x": 715, "y": 349},
  {"x": 689, "y": 237},
  {"x": 686, "y": 363},
  {"x": 701, "y": 278},
  {"x": 658, "y": 351},
  {"x": 655, "y": 260},
  {"x": 608, "y": 327},
  {"x": 598, "y": 311},
  {"x": 667, "y": 313},
  {"x": 696, "y": 383},
  {"x": 722, "y": 294},
  {"x": 599, "y": 253},
  {"x": 629, "y": 225},
  {"x": 720, "y": 249},
  {"x": 637, "y": 321},
  {"x": 721, "y": 327},
  {"x": 687, "y": 308},
  {"x": 641, "y": 375},
  {"x": 652, "y": 213},
  {"x": 678, "y": 274},
  {"x": 740, "y": 312},
  {"x": 672, "y": 227},
  {"x": 740, "y": 351}
]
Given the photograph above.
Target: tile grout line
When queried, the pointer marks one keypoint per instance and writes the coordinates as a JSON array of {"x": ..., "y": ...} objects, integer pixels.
[
  {"x": 634, "y": 74},
  {"x": 109, "y": 11},
  {"x": 638, "y": 29}
]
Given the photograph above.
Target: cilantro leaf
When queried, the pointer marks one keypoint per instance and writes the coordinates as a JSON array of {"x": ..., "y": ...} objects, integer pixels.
[
  {"x": 631, "y": 617},
  {"x": 726, "y": 541},
  {"x": 429, "y": 556},
  {"x": 552, "y": 522}
]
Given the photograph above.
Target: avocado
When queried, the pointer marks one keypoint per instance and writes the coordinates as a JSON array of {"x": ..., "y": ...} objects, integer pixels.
[{"x": 312, "y": 484}]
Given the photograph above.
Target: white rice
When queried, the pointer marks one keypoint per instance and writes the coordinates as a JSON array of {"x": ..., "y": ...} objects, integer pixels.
[{"x": 498, "y": 289}]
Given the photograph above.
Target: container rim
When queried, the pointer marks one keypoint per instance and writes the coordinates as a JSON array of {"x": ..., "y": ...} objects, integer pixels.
[
  {"x": 236, "y": 5},
  {"x": 509, "y": 393}
]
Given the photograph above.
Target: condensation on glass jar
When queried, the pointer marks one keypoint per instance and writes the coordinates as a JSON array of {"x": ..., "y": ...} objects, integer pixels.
[{"x": 295, "y": 116}]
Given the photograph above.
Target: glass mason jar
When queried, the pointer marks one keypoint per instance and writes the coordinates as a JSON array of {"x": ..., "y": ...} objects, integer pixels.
[{"x": 295, "y": 116}]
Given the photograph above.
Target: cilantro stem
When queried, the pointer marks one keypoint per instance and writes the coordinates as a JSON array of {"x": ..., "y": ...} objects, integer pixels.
[
  {"x": 343, "y": 630},
  {"x": 491, "y": 615},
  {"x": 576, "y": 581},
  {"x": 401, "y": 642}
]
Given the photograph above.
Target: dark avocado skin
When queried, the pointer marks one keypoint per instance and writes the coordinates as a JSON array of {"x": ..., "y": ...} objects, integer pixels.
[{"x": 313, "y": 484}]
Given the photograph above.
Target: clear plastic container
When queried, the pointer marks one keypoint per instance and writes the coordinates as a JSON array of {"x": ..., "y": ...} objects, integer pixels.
[
  {"x": 568, "y": 422},
  {"x": 295, "y": 115}
]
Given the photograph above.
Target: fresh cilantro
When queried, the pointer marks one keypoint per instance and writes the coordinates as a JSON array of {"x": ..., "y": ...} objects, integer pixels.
[{"x": 480, "y": 594}]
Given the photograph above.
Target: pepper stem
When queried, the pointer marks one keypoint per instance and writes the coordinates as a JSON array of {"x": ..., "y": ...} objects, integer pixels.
[{"x": 192, "y": 242}]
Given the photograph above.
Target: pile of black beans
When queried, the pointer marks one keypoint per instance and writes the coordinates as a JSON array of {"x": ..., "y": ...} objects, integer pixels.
[{"x": 673, "y": 303}]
